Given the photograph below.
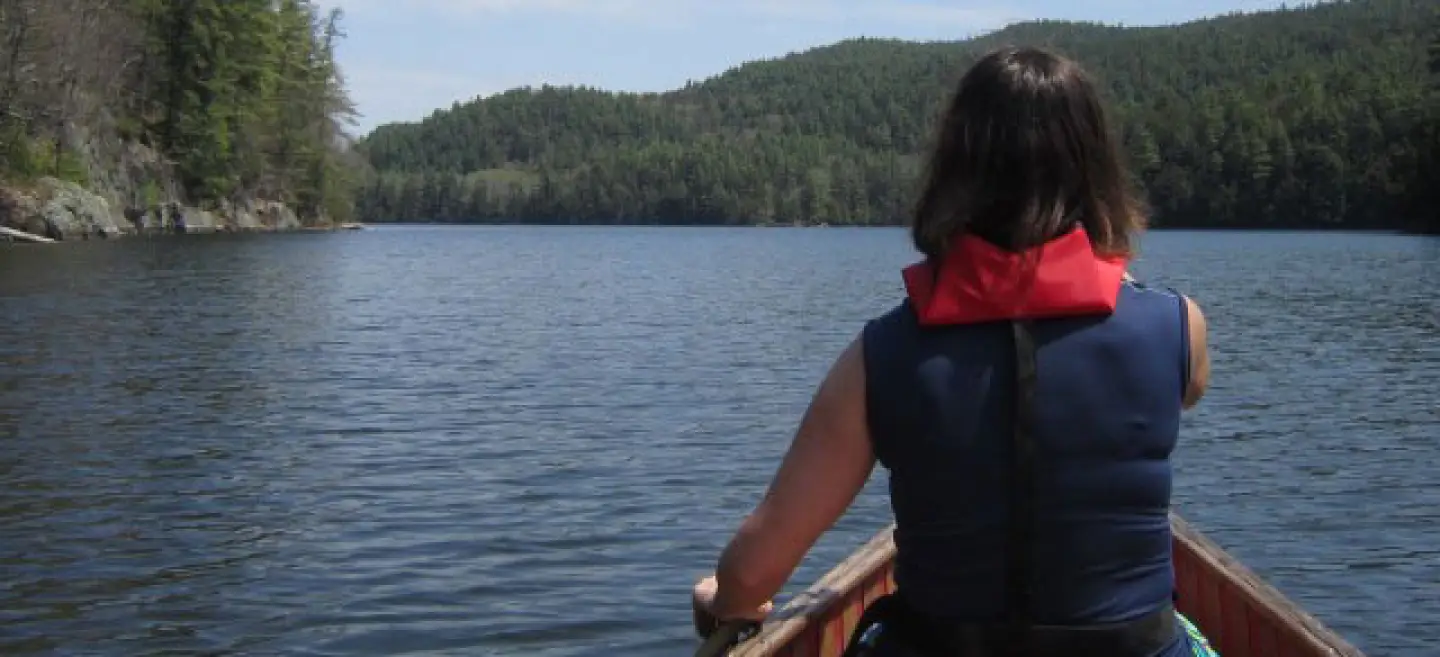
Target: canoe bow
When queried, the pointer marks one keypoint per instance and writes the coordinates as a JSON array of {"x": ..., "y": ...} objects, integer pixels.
[{"x": 1241, "y": 614}]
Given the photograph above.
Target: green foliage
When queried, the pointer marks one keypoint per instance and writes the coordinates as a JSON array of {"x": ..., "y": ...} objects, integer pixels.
[
  {"x": 18, "y": 156},
  {"x": 60, "y": 163},
  {"x": 150, "y": 195},
  {"x": 1299, "y": 117},
  {"x": 245, "y": 96},
  {"x": 242, "y": 97},
  {"x": 27, "y": 158}
]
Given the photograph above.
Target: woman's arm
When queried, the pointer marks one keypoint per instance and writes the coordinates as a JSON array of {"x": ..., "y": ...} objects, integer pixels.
[
  {"x": 827, "y": 465},
  {"x": 1199, "y": 355}
]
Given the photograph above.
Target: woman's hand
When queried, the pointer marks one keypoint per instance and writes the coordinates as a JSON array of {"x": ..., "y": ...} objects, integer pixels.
[{"x": 703, "y": 602}]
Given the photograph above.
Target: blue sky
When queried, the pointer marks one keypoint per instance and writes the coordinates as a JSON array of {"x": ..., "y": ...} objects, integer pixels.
[{"x": 405, "y": 58}]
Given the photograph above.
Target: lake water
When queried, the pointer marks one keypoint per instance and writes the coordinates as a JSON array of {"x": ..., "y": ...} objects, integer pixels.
[{"x": 531, "y": 441}]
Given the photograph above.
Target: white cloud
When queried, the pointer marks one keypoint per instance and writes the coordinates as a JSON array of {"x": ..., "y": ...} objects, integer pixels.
[
  {"x": 893, "y": 12},
  {"x": 679, "y": 12},
  {"x": 391, "y": 90},
  {"x": 405, "y": 58}
]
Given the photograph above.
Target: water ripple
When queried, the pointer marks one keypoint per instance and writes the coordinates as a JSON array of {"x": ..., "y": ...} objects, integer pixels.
[{"x": 530, "y": 441}]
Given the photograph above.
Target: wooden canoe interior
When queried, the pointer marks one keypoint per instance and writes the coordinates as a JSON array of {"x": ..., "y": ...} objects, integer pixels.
[{"x": 1240, "y": 614}]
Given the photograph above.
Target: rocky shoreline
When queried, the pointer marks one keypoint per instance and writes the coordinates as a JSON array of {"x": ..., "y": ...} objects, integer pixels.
[{"x": 65, "y": 211}]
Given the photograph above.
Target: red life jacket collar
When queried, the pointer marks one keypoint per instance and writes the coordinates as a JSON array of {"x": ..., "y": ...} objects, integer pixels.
[{"x": 977, "y": 281}]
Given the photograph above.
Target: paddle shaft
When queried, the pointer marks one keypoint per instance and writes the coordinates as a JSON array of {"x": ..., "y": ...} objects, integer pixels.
[{"x": 723, "y": 639}]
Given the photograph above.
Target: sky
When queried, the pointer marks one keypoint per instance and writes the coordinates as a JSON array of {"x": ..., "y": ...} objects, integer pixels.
[{"x": 403, "y": 59}]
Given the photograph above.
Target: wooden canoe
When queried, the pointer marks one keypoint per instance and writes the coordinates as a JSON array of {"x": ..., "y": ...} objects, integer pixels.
[{"x": 1240, "y": 614}]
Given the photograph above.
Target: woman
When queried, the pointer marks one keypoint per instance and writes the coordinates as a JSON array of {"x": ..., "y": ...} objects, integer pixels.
[{"x": 1025, "y": 397}]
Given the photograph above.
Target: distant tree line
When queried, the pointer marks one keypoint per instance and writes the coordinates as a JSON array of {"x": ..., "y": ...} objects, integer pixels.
[{"x": 1320, "y": 116}]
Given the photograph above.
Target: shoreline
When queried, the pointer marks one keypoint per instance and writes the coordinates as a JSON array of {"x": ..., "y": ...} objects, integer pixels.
[
  {"x": 12, "y": 237},
  {"x": 49, "y": 210},
  {"x": 1160, "y": 228}
]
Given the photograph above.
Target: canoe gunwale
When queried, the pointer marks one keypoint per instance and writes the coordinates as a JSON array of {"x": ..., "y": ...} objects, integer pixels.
[
  {"x": 814, "y": 611},
  {"x": 1265, "y": 599},
  {"x": 811, "y": 605}
]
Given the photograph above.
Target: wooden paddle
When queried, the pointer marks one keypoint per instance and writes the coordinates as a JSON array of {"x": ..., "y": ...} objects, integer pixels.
[
  {"x": 719, "y": 637},
  {"x": 725, "y": 637}
]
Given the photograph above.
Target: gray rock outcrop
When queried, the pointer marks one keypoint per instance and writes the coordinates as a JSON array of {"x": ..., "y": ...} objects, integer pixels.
[{"x": 61, "y": 210}]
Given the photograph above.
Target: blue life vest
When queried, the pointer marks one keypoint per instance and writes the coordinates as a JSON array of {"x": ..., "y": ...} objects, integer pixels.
[
  {"x": 1084, "y": 483},
  {"x": 1107, "y": 413}
]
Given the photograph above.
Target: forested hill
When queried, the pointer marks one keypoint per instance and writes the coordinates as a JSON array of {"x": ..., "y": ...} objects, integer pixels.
[{"x": 1318, "y": 116}]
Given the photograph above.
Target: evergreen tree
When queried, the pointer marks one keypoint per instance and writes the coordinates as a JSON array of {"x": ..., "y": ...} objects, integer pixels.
[{"x": 243, "y": 97}]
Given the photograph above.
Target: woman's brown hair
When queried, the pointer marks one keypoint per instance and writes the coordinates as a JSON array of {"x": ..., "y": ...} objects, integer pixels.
[{"x": 1023, "y": 152}]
